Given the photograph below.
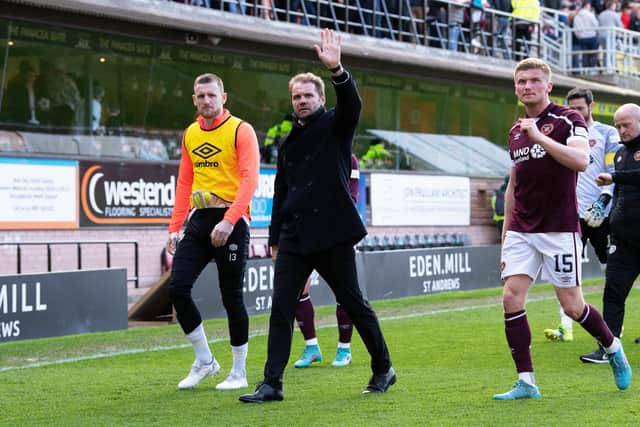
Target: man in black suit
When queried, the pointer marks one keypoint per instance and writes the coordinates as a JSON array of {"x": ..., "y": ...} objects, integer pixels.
[{"x": 314, "y": 223}]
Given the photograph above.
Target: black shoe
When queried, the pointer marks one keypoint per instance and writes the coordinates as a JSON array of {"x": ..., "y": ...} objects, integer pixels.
[
  {"x": 264, "y": 393},
  {"x": 379, "y": 383},
  {"x": 637, "y": 340},
  {"x": 598, "y": 356}
]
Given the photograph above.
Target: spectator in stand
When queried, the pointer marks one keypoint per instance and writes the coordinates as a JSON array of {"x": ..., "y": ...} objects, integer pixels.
[
  {"x": 476, "y": 15},
  {"x": 585, "y": 24},
  {"x": 529, "y": 10},
  {"x": 20, "y": 97},
  {"x": 608, "y": 21},
  {"x": 456, "y": 20},
  {"x": 419, "y": 9},
  {"x": 597, "y": 6},
  {"x": 96, "y": 110},
  {"x": 501, "y": 28},
  {"x": 338, "y": 9},
  {"x": 625, "y": 16},
  {"x": 437, "y": 14},
  {"x": 634, "y": 23},
  {"x": 63, "y": 95},
  {"x": 368, "y": 5},
  {"x": 306, "y": 15},
  {"x": 237, "y": 6},
  {"x": 552, "y": 4},
  {"x": 564, "y": 8}
]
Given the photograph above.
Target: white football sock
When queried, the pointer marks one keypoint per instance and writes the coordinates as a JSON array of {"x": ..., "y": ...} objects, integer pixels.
[
  {"x": 200, "y": 345},
  {"x": 615, "y": 346},
  {"x": 240, "y": 359},
  {"x": 527, "y": 377},
  {"x": 312, "y": 341},
  {"x": 344, "y": 345},
  {"x": 565, "y": 320}
]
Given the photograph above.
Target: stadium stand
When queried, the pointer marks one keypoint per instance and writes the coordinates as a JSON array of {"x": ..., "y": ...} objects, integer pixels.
[{"x": 488, "y": 29}]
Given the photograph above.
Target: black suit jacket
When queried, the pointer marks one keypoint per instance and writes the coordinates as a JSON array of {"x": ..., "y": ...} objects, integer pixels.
[{"x": 312, "y": 200}]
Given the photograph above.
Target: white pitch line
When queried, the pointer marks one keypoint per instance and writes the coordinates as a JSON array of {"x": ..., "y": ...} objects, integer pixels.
[{"x": 217, "y": 340}]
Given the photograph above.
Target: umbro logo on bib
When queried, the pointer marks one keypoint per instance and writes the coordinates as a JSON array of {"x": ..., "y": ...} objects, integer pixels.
[{"x": 206, "y": 150}]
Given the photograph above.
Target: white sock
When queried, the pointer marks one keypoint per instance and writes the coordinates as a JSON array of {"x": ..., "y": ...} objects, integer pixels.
[
  {"x": 565, "y": 320},
  {"x": 200, "y": 345},
  {"x": 240, "y": 359},
  {"x": 312, "y": 341},
  {"x": 344, "y": 345},
  {"x": 527, "y": 377},
  {"x": 614, "y": 347}
]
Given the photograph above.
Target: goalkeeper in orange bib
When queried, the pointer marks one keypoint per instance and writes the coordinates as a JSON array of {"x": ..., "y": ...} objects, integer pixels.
[{"x": 217, "y": 178}]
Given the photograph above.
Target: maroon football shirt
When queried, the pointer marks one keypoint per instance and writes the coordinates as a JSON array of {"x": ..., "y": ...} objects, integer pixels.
[{"x": 545, "y": 191}]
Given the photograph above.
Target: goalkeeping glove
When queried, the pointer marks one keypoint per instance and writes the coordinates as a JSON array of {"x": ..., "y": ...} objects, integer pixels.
[{"x": 594, "y": 216}]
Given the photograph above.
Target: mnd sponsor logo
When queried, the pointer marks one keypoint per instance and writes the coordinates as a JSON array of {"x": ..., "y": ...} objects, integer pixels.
[{"x": 108, "y": 197}]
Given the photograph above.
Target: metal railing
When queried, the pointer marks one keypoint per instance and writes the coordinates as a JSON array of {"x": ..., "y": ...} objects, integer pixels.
[
  {"x": 108, "y": 245},
  {"x": 616, "y": 52},
  {"x": 449, "y": 25},
  {"x": 486, "y": 33}
]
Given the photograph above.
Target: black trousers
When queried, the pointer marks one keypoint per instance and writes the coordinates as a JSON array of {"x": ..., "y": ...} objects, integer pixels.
[
  {"x": 599, "y": 238},
  {"x": 337, "y": 266},
  {"x": 193, "y": 254},
  {"x": 623, "y": 267}
]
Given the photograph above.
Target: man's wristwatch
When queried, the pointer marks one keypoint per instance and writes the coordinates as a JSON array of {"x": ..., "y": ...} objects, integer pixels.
[{"x": 337, "y": 70}]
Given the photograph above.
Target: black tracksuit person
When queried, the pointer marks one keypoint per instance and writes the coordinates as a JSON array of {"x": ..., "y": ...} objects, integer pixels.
[
  {"x": 314, "y": 223},
  {"x": 623, "y": 262}
]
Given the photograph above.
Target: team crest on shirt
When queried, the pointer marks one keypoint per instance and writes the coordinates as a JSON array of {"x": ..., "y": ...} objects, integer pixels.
[
  {"x": 546, "y": 128},
  {"x": 537, "y": 152},
  {"x": 636, "y": 156},
  {"x": 592, "y": 142}
]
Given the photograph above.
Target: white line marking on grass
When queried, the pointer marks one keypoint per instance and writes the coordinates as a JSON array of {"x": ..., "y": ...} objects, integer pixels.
[{"x": 217, "y": 340}]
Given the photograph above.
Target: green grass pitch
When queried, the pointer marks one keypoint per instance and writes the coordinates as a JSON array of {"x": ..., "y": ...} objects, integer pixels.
[{"x": 449, "y": 352}]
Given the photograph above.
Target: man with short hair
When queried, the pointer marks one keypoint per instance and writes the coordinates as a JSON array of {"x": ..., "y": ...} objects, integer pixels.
[
  {"x": 315, "y": 224},
  {"x": 548, "y": 147},
  {"x": 593, "y": 201},
  {"x": 217, "y": 178},
  {"x": 623, "y": 264}
]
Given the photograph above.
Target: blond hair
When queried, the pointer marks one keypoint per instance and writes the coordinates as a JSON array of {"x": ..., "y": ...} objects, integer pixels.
[
  {"x": 307, "y": 78},
  {"x": 208, "y": 78},
  {"x": 533, "y": 64}
]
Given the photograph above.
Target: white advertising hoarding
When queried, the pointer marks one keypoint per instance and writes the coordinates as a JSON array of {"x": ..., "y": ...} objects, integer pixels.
[
  {"x": 399, "y": 200},
  {"x": 38, "y": 194}
]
